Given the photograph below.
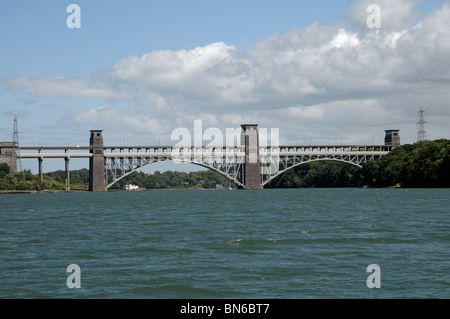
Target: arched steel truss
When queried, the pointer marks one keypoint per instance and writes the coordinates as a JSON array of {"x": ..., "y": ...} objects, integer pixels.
[{"x": 229, "y": 162}]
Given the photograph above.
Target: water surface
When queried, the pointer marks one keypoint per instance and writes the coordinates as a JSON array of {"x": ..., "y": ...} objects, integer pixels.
[{"x": 273, "y": 243}]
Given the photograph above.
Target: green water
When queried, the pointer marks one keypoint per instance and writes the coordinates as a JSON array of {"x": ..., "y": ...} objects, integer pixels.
[{"x": 291, "y": 243}]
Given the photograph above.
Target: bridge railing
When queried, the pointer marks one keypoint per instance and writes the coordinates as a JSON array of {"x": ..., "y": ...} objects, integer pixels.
[
  {"x": 203, "y": 148},
  {"x": 328, "y": 148}
]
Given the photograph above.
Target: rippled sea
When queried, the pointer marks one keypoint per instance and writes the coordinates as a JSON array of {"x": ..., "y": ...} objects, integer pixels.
[{"x": 283, "y": 243}]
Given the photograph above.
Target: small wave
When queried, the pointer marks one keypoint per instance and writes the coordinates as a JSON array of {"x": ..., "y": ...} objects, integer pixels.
[
  {"x": 234, "y": 242},
  {"x": 172, "y": 291}
]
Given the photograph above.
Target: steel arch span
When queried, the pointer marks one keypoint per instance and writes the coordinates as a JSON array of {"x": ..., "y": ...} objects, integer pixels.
[
  {"x": 266, "y": 181},
  {"x": 231, "y": 167},
  {"x": 287, "y": 162},
  {"x": 115, "y": 169}
]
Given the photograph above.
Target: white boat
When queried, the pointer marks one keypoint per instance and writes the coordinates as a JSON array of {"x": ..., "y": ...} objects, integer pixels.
[{"x": 130, "y": 187}]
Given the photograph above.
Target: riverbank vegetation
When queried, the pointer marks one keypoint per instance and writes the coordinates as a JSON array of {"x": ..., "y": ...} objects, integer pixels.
[
  {"x": 319, "y": 174},
  {"x": 79, "y": 180},
  {"x": 169, "y": 179},
  {"x": 26, "y": 181},
  {"x": 422, "y": 164}
]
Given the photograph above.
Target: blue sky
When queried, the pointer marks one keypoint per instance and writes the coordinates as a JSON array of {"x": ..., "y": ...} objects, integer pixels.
[
  {"x": 39, "y": 43},
  {"x": 254, "y": 60}
]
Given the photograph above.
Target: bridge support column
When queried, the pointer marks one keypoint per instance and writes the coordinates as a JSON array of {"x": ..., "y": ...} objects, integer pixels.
[
  {"x": 97, "y": 163},
  {"x": 252, "y": 168},
  {"x": 67, "y": 159},
  {"x": 41, "y": 172}
]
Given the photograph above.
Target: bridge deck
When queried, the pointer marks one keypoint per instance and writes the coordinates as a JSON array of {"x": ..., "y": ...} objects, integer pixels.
[
  {"x": 182, "y": 154},
  {"x": 166, "y": 150}
]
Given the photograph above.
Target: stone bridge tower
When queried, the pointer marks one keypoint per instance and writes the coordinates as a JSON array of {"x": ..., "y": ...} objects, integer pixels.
[
  {"x": 8, "y": 155},
  {"x": 251, "y": 175},
  {"x": 97, "y": 181},
  {"x": 392, "y": 138}
]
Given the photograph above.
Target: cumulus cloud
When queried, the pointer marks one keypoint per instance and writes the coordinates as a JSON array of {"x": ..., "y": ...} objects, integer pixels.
[
  {"x": 324, "y": 78},
  {"x": 65, "y": 87},
  {"x": 395, "y": 15},
  {"x": 113, "y": 117}
]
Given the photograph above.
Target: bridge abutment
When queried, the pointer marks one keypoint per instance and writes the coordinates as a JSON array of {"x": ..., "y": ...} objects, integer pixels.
[
  {"x": 8, "y": 155},
  {"x": 251, "y": 175},
  {"x": 392, "y": 138},
  {"x": 97, "y": 181}
]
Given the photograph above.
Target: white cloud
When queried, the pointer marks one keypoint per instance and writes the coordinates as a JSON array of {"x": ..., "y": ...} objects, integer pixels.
[
  {"x": 323, "y": 78},
  {"x": 66, "y": 87},
  {"x": 395, "y": 15},
  {"x": 114, "y": 118}
]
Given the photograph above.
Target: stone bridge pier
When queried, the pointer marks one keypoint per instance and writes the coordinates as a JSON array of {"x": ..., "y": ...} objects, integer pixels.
[
  {"x": 97, "y": 181},
  {"x": 251, "y": 178}
]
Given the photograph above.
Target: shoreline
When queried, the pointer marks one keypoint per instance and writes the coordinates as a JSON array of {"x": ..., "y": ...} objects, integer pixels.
[
  {"x": 41, "y": 192},
  {"x": 170, "y": 189},
  {"x": 87, "y": 191}
]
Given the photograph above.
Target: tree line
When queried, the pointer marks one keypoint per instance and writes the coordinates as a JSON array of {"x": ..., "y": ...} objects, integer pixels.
[
  {"x": 170, "y": 179},
  {"x": 319, "y": 174},
  {"x": 422, "y": 164},
  {"x": 26, "y": 181},
  {"x": 79, "y": 180}
]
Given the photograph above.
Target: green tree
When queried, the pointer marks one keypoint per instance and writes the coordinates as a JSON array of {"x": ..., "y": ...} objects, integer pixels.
[
  {"x": 422, "y": 164},
  {"x": 318, "y": 174},
  {"x": 4, "y": 169}
]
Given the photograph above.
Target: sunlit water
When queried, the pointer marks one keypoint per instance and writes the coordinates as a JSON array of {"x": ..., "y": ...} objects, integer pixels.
[{"x": 284, "y": 243}]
